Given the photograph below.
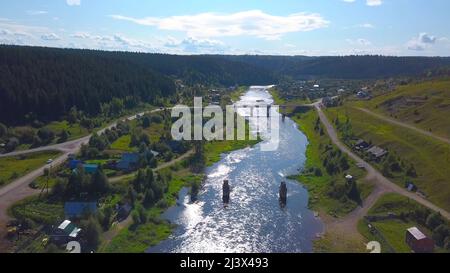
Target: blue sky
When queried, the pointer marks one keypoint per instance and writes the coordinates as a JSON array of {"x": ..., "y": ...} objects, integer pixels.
[{"x": 282, "y": 27}]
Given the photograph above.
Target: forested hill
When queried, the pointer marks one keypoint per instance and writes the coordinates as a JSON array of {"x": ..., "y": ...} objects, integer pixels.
[
  {"x": 346, "y": 67},
  {"x": 46, "y": 83},
  {"x": 204, "y": 69}
]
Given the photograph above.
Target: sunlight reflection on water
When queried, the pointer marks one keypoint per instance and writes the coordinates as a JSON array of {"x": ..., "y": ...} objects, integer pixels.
[{"x": 253, "y": 221}]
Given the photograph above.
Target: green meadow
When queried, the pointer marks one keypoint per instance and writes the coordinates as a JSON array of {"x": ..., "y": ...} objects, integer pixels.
[{"x": 14, "y": 167}]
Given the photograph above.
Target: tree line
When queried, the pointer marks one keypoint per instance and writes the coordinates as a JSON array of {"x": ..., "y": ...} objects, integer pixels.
[{"x": 45, "y": 83}]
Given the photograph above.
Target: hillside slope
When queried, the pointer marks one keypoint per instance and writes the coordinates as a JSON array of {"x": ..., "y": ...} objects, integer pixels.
[{"x": 425, "y": 105}]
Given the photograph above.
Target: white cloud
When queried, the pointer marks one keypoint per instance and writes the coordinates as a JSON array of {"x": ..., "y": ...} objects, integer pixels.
[
  {"x": 366, "y": 25},
  {"x": 81, "y": 35},
  {"x": 426, "y": 39},
  {"x": 360, "y": 42},
  {"x": 371, "y": 3},
  {"x": 374, "y": 2},
  {"x": 249, "y": 23},
  {"x": 288, "y": 45},
  {"x": 73, "y": 2},
  {"x": 50, "y": 37},
  {"x": 194, "y": 45},
  {"x": 22, "y": 30},
  {"x": 364, "y": 42},
  {"x": 421, "y": 42},
  {"x": 5, "y": 32},
  {"x": 36, "y": 12}
]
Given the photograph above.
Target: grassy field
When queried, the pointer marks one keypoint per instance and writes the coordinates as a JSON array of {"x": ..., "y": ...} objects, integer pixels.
[
  {"x": 319, "y": 186},
  {"x": 41, "y": 181},
  {"x": 392, "y": 203},
  {"x": 137, "y": 239},
  {"x": 393, "y": 230},
  {"x": 214, "y": 150},
  {"x": 430, "y": 157},
  {"x": 425, "y": 105},
  {"x": 75, "y": 130},
  {"x": 155, "y": 131},
  {"x": 235, "y": 95},
  {"x": 122, "y": 144},
  {"x": 14, "y": 167},
  {"x": 278, "y": 100}
]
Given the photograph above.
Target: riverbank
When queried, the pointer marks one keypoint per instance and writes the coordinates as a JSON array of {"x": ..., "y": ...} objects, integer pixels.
[
  {"x": 324, "y": 176},
  {"x": 132, "y": 238},
  {"x": 137, "y": 238},
  {"x": 255, "y": 176}
]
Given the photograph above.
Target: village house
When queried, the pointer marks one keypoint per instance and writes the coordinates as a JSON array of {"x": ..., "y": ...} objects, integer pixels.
[
  {"x": 65, "y": 233},
  {"x": 88, "y": 168},
  {"x": 363, "y": 94},
  {"x": 76, "y": 210},
  {"x": 128, "y": 162},
  {"x": 418, "y": 242},
  {"x": 74, "y": 163},
  {"x": 377, "y": 153}
]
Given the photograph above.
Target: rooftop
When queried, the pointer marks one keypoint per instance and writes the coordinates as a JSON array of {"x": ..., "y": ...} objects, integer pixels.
[
  {"x": 377, "y": 151},
  {"x": 64, "y": 224},
  {"x": 414, "y": 231}
]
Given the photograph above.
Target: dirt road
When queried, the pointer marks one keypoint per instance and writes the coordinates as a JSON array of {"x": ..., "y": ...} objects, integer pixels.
[
  {"x": 380, "y": 182},
  {"x": 160, "y": 167}
]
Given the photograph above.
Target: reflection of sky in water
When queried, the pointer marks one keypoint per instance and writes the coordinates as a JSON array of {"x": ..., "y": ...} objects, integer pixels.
[{"x": 253, "y": 222}]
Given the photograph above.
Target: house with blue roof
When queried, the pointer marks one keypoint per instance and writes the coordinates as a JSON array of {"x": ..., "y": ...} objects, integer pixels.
[
  {"x": 90, "y": 168},
  {"x": 128, "y": 162},
  {"x": 74, "y": 210},
  {"x": 74, "y": 163}
]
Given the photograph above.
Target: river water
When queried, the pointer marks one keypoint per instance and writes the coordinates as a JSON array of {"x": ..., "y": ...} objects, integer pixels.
[{"x": 253, "y": 222}]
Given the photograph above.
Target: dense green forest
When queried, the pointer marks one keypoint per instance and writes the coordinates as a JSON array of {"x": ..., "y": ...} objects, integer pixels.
[
  {"x": 344, "y": 67},
  {"x": 45, "y": 83},
  {"x": 204, "y": 69}
]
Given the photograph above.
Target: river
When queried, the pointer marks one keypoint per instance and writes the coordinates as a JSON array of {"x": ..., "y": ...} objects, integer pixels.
[{"x": 253, "y": 222}]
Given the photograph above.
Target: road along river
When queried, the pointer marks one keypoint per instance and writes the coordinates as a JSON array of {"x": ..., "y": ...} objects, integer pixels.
[{"x": 253, "y": 221}]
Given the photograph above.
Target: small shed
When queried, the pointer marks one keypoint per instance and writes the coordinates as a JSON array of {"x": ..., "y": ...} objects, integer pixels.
[
  {"x": 154, "y": 153},
  {"x": 361, "y": 144},
  {"x": 377, "y": 152},
  {"x": 410, "y": 186},
  {"x": 418, "y": 242},
  {"x": 123, "y": 212}
]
